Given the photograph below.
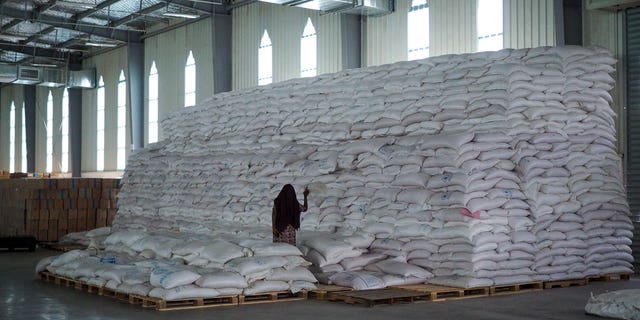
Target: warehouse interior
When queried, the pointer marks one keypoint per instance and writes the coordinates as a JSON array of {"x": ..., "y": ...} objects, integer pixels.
[{"x": 154, "y": 136}]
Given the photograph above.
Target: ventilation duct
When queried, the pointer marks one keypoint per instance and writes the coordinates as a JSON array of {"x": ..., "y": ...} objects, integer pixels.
[
  {"x": 53, "y": 77},
  {"x": 8, "y": 73},
  {"x": 28, "y": 75},
  {"x": 360, "y": 7},
  {"x": 82, "y": 79}
]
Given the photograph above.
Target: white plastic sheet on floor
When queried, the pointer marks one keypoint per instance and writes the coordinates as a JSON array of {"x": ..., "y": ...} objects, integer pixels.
[
  {"x": 622, "y": 304},
  {"x": 474, "y": 169}
]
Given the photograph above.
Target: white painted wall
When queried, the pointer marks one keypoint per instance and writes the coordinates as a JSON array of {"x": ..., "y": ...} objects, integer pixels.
[
  {"x": 170, "y": 51},
  {"x": 108, "y": 65},
  {"x": 285, "y": 26},
  {"x": 8, "y": 94}
]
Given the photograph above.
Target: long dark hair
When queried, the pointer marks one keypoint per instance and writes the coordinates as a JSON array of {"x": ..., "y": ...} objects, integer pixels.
[{"x": 287, "y": 209}]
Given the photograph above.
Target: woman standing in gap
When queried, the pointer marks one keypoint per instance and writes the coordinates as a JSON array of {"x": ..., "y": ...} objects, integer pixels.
[{"x": 285, "y": 216}]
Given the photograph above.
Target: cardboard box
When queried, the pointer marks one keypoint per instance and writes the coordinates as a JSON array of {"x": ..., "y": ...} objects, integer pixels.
[
  {"x": 43, "y": 224},
  {"x": 82, "y": 204},
  {"x": 44, "y": 203},
  {"x": 53, "y": 214},
  {"x": 85, "y": 193},
  {"x": 72, "y": 214},
  {"x": 42, "y": 235},
  {"x": 104, "y": 204},
  {"x": 111, "y": 214},
  {"x": 43, "y": 214},
  {"x": 32, "y": 227},
  {"x": 58, "y": 204},
  {"x": 63, "y": 224},
  {"x": 52, "y": 184},
  {"x": 69, "y": 204},
  {"x": 32, "y": 204},
  {"x": 64, "y": 183},
  {"x": 101, "y": 217},
  {"x": 91, "y": 219},
  {"x": 33, "y": 214},
  {"x": 72, "y": 225},
  {"x": 81, "y": 224}
]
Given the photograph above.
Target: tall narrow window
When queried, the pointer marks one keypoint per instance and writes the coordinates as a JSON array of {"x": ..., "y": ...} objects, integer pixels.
[
  {"x": 308, "y": 51},
  {"x": 153, "y": 103},
  {"x": 490, "y": 33},
  {"x": 12, "y": 138},
  {"x": 49, "y": 133},
  {"x": 100, "y": 103},
  {"x": 190, "y": 81},
  {"x": 24, "y": 141},
  {"x": 418, "y": 30},
  {"x": 64, "y": 127},
  {"x": 265, "y": 60},
  {"x": 121, "y": 153}
]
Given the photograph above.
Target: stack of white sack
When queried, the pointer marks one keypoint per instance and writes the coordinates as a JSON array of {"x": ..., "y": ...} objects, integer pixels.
[
  {"x": 180, "y": 266},
  {"x": 485, "y": 168},
  {"x": 570, "y": 171}
]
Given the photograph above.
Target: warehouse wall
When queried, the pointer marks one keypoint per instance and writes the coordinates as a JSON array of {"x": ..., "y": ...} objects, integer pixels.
[
  {"x": 605, "y": 28},
  {"x": 452, "y": 28},
  {"x": 108, "y": 65},
  {"x": 285, "y": 26},
  {"x": 8, "y": 94},
  {"x": 170, "y": 50},
  {"x": 42, "y": 94}
]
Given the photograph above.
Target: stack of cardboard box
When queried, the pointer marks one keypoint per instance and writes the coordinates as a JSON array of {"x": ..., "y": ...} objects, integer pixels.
[{"x": 50, "y": 208}]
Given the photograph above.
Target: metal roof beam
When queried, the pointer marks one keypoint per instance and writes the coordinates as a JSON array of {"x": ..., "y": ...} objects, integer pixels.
[
  {"x": 43, "y": 7},
  {"x": 33, "y": 51},
  {"x": 137, "y": 15},
  {"x": 71, "y": 24},
  {"x": 198, "y": 6},
  {"x": 84, "y": 14},
  {"x": 37, "y": 36},
  {"x": 10, "y": 25}
]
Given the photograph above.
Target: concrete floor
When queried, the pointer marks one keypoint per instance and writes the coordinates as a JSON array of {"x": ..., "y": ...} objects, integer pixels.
[{"x": 23, "y": 296}]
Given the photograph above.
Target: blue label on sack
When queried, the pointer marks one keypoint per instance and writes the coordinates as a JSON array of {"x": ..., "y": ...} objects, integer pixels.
[
  {"x": 108, "y": 260},
  {"x": 508, "y": 193},
  {"x": 444, "y": 196}
]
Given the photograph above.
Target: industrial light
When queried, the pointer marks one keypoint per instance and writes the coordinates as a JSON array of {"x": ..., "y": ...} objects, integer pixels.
[
  {"x": 75, "y": 4},
  {"x": 12, "y": 38},
  {"x": 181, "y": 15},
  {"x": 46, "y": 65},
  {"x": 101, "y": 44}
]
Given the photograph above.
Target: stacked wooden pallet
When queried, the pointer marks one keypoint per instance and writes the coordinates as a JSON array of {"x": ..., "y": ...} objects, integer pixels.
[{"x": 180, "y": 304}]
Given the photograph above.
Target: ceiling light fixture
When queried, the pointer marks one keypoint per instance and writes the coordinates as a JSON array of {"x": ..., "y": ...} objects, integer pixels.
[
  {"x": 101, "y": 44},
  {"x": 46, "y": 65},
  {"x": 12, "y": 38},
  {"x": 181, "y": 15},
  {"x": 75, "y": 4}
]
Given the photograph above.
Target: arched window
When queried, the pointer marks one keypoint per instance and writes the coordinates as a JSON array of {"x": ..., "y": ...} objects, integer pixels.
[
  {"x": 489, "y": 19},
  {"x": 190, "y": 81},
  {"x": 308, "y": 51},
  {"x": 153, "y": 103},
  {"x": 49, "y": 125},
  {"x": 12, "y": 138},
  {"x": 121, "y": 154},
  {"x": 64, "y": 160},
  {"x": 418, "y": 30},
  {"x": 265, "y": 60},
  {"x": 24, "y": 141},
  {"x": 100, "y": 103}
]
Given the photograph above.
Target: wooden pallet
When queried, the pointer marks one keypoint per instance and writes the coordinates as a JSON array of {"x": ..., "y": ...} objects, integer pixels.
[
  {"x": 515, "y": 288},
  {"x": 323, "y": 291},
  {"x": 183, "y": 304},
  {"x": 270, "y": 297},
  {"x": 442, "y": 293},
  {"x": 564, "y": 283},
  {"x": 376, "y": 297},
  {"x": 608, "y": 277}
]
